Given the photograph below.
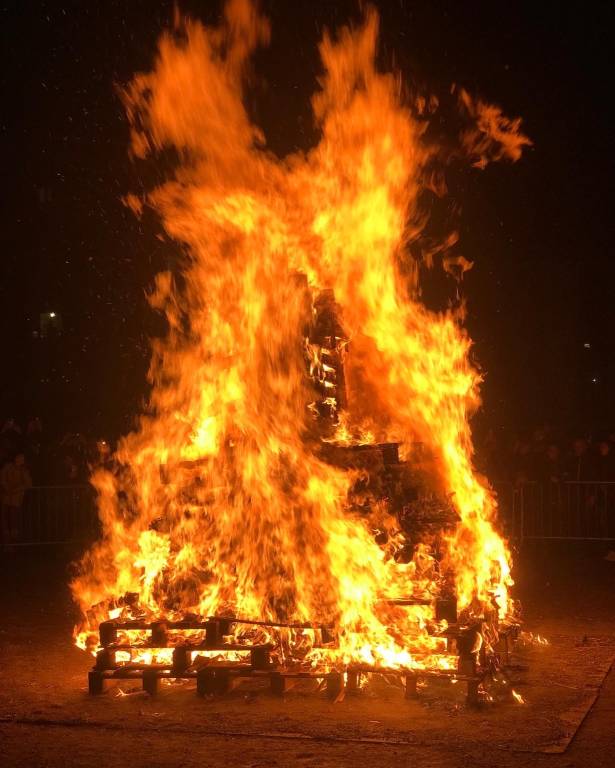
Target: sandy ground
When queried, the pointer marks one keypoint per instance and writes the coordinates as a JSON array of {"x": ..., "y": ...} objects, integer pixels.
[{"x": 47, "y": 718}]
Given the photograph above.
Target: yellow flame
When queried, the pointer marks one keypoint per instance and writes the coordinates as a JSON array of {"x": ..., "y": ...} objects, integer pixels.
[{"x": 518, "y": 697}]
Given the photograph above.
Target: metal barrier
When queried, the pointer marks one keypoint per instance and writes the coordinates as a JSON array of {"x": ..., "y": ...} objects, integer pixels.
[
  {"x": 573, "y": 511},
  {"x": 56, "y": 514}
]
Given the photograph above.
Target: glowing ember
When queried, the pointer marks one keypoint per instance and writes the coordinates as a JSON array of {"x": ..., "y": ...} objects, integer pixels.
[
  {"x": 517, "y": 697},
  {"x": 529, "y": 638},
  {"x": 223, "y": 501}
]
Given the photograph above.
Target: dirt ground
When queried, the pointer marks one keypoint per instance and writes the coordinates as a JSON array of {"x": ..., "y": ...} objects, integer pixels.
[{"x": 48, "y": 719}]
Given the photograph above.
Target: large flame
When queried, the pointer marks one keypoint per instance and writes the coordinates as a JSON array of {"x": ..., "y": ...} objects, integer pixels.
[{"x": 221, "y": 503}]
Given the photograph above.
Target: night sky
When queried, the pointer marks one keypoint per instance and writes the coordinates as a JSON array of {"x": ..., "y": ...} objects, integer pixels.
[{"x": 539, "y": 232}]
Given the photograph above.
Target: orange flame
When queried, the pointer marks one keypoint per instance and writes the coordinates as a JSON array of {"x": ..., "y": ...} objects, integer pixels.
[{"x": 222, "y": 502}]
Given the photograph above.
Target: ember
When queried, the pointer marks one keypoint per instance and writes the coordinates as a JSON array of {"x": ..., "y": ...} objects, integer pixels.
[{"x": 299, "y": 498}]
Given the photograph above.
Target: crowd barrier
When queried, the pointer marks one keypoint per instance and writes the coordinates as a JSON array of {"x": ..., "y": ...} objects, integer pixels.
[
  {"x": 571, "y": 510},
  {"x": 576, "y": 511},
  {"x": 53, "y": 514}
]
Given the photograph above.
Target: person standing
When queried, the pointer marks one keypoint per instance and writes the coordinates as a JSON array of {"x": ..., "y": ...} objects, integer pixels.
[
  {"x": 579, "y": 465},
  {"x": 604, "y": 463},
  {"x": 15, "y": 480}
]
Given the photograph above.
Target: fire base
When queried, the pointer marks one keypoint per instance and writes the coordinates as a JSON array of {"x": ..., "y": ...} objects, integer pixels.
[{"x": 216, "y": 676}]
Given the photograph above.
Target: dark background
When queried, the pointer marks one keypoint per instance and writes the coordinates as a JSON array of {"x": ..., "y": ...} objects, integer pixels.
[{"x": 539, "y": 231}]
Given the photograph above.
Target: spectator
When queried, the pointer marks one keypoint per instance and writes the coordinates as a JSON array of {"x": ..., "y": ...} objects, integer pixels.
[
  {"x": 604, "y": 464},
  {"x": 103, "y": 453},
  {"x": 494, "y": 452},
  {"x": 34, "y": 429},
  {"x": 14, "y": 481},
  {"x": 71, "y": 471},
  {"x": 522, "y": 462},
  {"x": 579, "y": 462},
  {"x": 12, "y": 437},
  {"x": 539, "y": 440},
  {"x": 34, "y": 447},
  {"x": 550, "y": 464}
]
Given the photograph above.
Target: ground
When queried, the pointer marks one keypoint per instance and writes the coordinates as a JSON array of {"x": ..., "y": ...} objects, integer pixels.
[{"x": 48, "y": 719}]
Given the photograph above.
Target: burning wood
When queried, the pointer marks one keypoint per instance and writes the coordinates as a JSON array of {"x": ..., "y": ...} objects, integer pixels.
[
  {"x": 205, "y": 651},
  {"x": 300, "y": 492}
]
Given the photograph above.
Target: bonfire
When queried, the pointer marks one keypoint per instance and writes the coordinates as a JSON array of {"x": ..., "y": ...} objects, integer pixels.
[{"x": 301, "y": 480}]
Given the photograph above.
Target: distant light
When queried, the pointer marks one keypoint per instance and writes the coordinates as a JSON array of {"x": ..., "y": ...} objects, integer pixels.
[
  {"x": 587, "y": 345},
  {"x": 594, "y": 380},
  {"x": 52, "y": 314}
]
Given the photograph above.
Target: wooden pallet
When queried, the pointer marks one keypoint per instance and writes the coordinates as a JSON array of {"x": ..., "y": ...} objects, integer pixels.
[
  {"x": 216, "y": 676},
  {"x": 214, "y": 628}
]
